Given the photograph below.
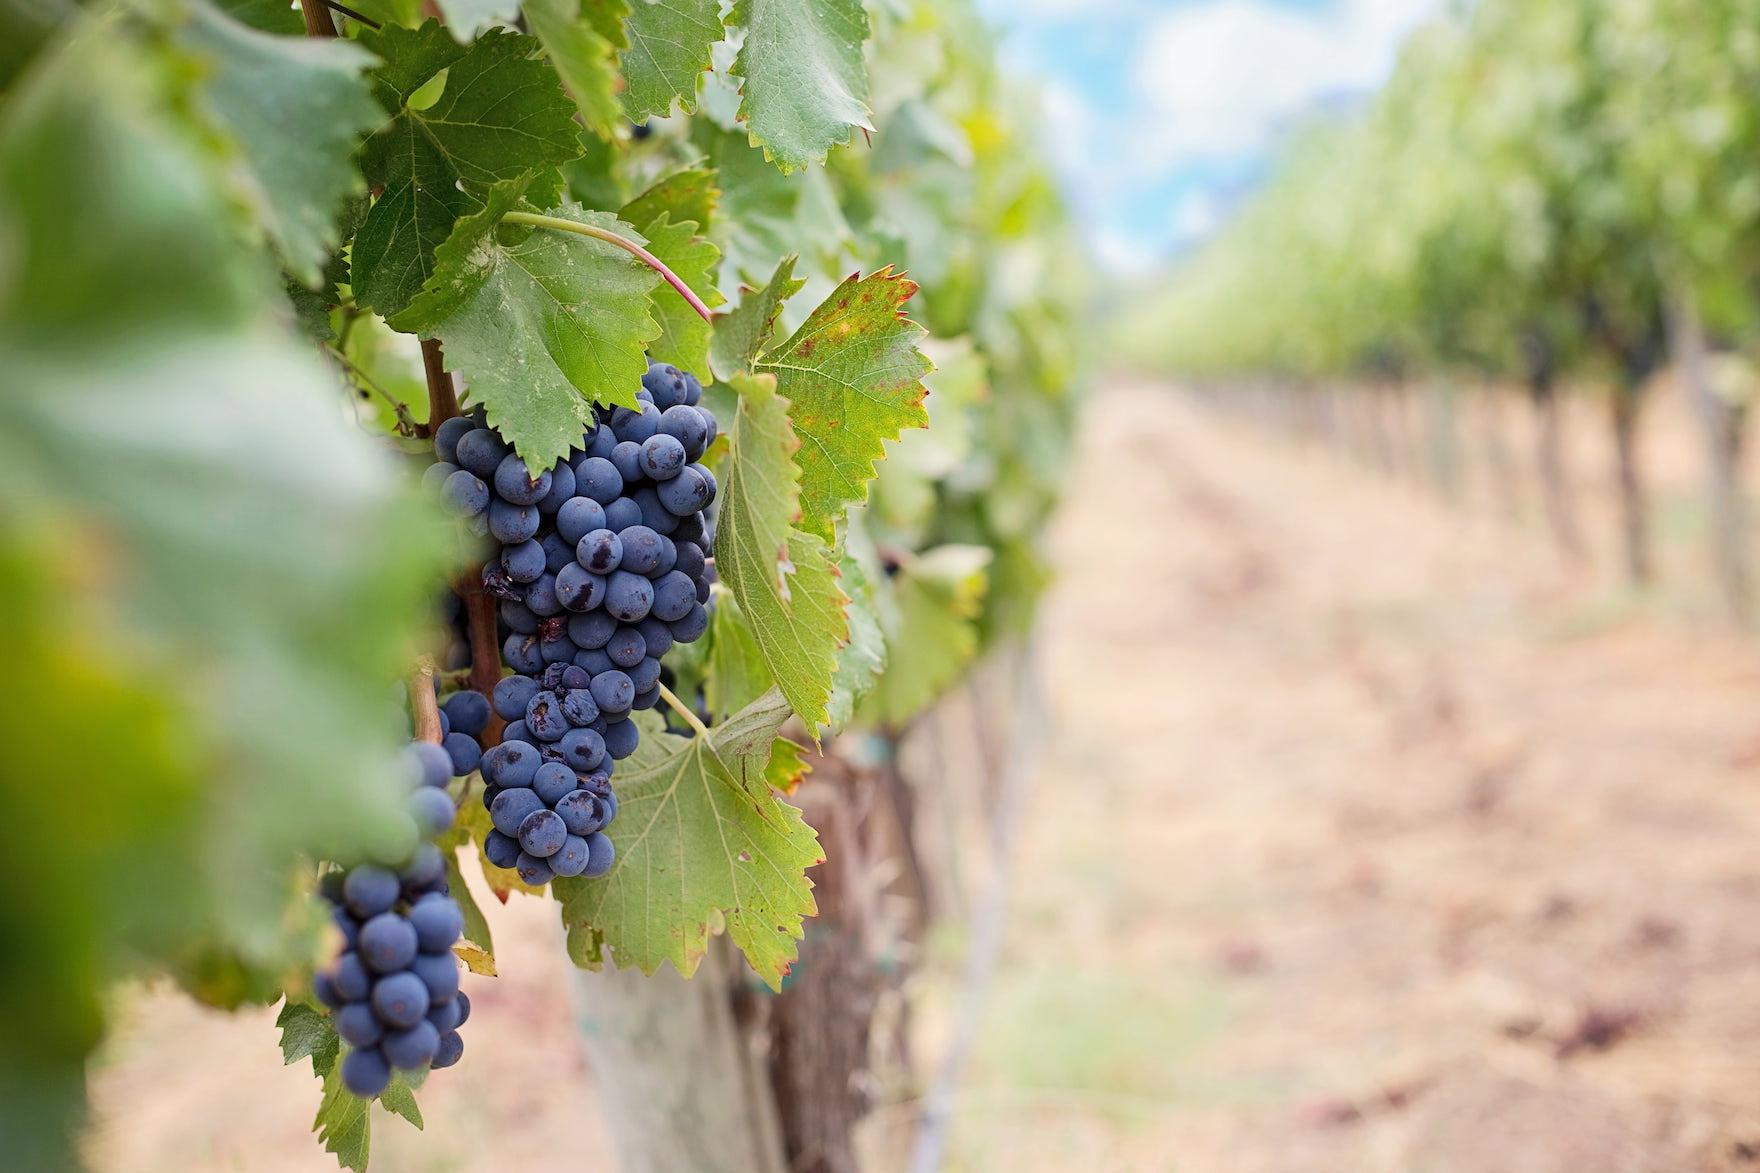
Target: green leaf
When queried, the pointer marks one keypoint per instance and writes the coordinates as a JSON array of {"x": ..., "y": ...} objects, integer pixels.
[
  {"x": 388, "y": 12},
  {"x": 737, "y": 673},
  {"x": 852, "y": 375},
  {"x": 477, "y": 947},
  {"x": 796, "y": 616},
  {"x": 862, "y": 660},
  {"x": 743, "y": 332},
  {"x": 687, "y": 194},
  {"x": 307, "y": 1031},
  {"x": 292, "y": 110},
  {"x": 344, "y": 1123},
  {"x": 501, "y": 115},
  {"x": 805, "y": 81},
  {"x": 932, "y": 635},
  {"x": 684, "y": 335},
  {"x": 584, "y": 59},
  {"x": 669, "y": 44},
  {"x": 399, "y": 1096},
  {"x": 540, "y": 322},
  {"x": 698, "y": 843},
  {"x": 272, "y": 16}
]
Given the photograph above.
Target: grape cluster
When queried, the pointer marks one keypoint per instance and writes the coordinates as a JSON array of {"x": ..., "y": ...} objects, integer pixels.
[
  {"x": 603, "y": 563},
  {"x": 393, "y": 991}
]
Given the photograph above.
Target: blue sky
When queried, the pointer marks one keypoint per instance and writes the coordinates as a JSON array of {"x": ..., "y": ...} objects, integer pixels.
[{"x": 1162, "y": 113}]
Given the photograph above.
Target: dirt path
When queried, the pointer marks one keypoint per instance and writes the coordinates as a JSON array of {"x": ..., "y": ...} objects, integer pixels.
[
  {"x": 1365, "y": 840},
  {"x": 1368, "y": 841}
]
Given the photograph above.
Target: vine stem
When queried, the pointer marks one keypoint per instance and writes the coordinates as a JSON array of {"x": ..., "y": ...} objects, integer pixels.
[
  {"x": 423, "y": 705},
  {"x": 442, "y": 392},
  {"x": 318, "y": 19},
  {"x": 558, "y": 224},
  {"x": 683, "y": 710}
]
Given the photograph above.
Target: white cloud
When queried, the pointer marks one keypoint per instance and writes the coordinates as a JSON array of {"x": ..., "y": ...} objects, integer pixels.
[
  {"x": 1220, "y": 79},
  {"x": 1196, "y": 216}
]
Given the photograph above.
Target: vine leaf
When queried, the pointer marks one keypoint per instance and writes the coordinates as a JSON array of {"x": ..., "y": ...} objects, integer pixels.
[
  {"x": 852, "y": 375},
  {"x": 307, "y": 1032},
  {"x": 499, "y": 114},
  {"x": 539, "y": 322},
  {"x": 687, "y": 194},
  {"x": 293, "y": 111},
  {"x": 805, "y": 80},
  {"x": 931, "y": 630},
  {"x": 669, "y": 45},
  {"x": 700, "y": 840},
  {"x": 862, "y": 660},
  {"x": 583, "y": 57},
  {"x": 737, "y": 672},
  {"x": 782, "y": 579},
  {"x": 684, "y": 335},
  {"x": 477, "y": 947},
  {"x": 345, "y": 1121},
  {"x": 743, "y": 332},
  {"x": 466, "y": 17}
]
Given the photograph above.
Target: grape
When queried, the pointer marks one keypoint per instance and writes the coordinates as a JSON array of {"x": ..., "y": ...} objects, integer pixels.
[
  {"x": 578, "y": 588},
  {"x": 468, "y": 711},
  {"x": 693, "y": 390},
  {"x": 512, "y": 695},
  {"x": 388, "y": 943},
  {"x": 562, "y": 486},
  {"x": 541, "y": 597},
  {"x": 350, "y": 978},
  {"x": 639, "y": 427},
  {"x": 663, "y": 456},
  {"x": 647, "y": 698},
  {"x": 432, "y": 810},
  {"x": 513, "y": 807},
  {"x": 557, "y": 552},
  {"x": 594, "y": 660},
  {"x": 691, "y": 529},
  {"x": 582, "y": 811},
  {"x": 447, "y": 436},
  {"x": 430, "y": 764},
  {"x": 439, "y": 973},
  {"x": 451, "y": 1047},
  {"x": 358, "y": 1026},
  {"x": 545, "y": 719},
  {"x": 613, "y": 692},
  {"x": 582, "y": 749},
  {"x": 599, "y": 479},
  {"x": 554, "y": 780},
  {"x": 437, "y": 922},
  {"x": 434, "y": 476},
  {"x": 464, "y": 753},
  {"x": 541, "y": 833},
  {"x": 371, "y": 890},
  {"x": 524, "y": 562},
  {"x": 623, "y": 513},
  {"x": 654, "y": 515},
  {"x": 686, "y": 425},
  {"x": 533, "y": 870},
  {"x": 425, "y": 870},
  {"x": 600, "y": 854},
  {"x": 627, "y": 648},
  {"x": 514, "y": 482},
  {"x": 621, "y": 739},
  {"x": 448, "y": 1015},
  {"x": 577, "y": 518},
  {"x": 502, "y": 850},
  {"x": 517, "y": 731},
  {"x": 522, "y": 654},
  {"x": 692, "y": 626},
  {"x": 641, "y": 549},
  {"x": 674, "y": 595},
  {"x": 400, "y": 999},
  {"x": 409, "y": 1049},
  {"x": 465, "y": 493},
  {"x": 665, "y": 383},
  {"x": 600, "y": 551},
  {"x": 627, "y": 459},
  {"x": 578, "y": 705},
  {"x": 600, "y": 441},
  {"x": 628, "y": 596},
  {"x": 365, "y": 1072},
  {"x": 687, "y": 492},
  {"x": 592, "y": 629},
  {"x": 522, "y": 619},
  {"x": 512, "y": 523},
  {"x": 690, "y": 558},
  {"x": 557, "y": 648},
  {"x": 644, "y": 674},
  {"x": 481, "y": 451},
  {"x": 571, "y": 858}
]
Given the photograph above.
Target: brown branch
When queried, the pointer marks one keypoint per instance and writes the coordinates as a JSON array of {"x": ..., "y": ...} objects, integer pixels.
[
  {"x": 423, "y": 705},
  {"x": 318, "y": 21},
  {"x": 482, "y": 614},
  {"x": 352, "y": 14},
  {"x": 442, "y": 392}
]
